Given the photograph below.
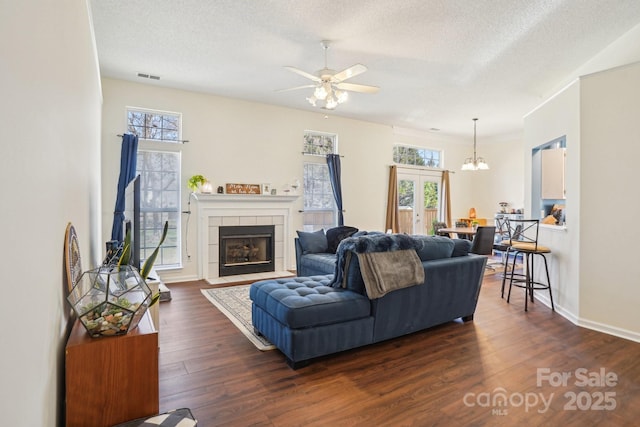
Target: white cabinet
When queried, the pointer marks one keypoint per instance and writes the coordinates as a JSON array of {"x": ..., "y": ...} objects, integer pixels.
[{"x": 553, "y": 173}]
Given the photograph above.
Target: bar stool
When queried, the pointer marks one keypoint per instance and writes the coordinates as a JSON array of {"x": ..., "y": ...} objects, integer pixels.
[
  {"x": 526, "y": 243},
  {"x": 506, "y": 233}
]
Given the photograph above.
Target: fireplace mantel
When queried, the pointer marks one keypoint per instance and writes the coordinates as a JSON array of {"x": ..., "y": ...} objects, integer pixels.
[
  {"x": 216, "y": 210},
  {"x": 253, "y": 198}
]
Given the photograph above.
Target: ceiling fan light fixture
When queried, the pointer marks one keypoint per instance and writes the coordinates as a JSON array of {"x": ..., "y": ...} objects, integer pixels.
[
  {"x": 320, "y": 92},
  {"x": 331, "y": 103},
  {"x": 341, "y": 95},
  {"x": 329, "y": 87}
]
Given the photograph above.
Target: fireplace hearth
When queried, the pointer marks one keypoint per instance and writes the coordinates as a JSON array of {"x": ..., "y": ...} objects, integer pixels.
[{"x": 246, "y": 249}]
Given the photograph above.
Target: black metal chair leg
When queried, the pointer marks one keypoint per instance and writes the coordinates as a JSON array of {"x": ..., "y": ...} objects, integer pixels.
[
  {"x": 504, "y": 273},
  {"x": 513, "y": 266},
  {"x": 546, "y": 269},
  {"x": 527, "y": 283}
]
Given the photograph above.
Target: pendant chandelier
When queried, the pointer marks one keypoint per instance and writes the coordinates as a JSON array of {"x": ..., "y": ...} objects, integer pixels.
[{"x": 474, "y": 163}]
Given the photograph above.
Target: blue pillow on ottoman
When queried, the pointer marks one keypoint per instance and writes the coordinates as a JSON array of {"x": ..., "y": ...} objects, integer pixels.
[{"x": 313, "y": 242}]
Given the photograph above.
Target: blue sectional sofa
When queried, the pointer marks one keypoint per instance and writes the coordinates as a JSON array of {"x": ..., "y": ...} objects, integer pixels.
[{"x": 306, "y": 317}]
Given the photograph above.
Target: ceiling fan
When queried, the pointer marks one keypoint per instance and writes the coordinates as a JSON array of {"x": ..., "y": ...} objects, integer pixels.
[{"x": 330, "y": 87}]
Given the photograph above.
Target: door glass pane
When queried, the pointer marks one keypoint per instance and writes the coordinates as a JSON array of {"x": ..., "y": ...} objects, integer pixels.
[
  {"x": 406, "y": 199},
  {"x": 430, "y": 206}
]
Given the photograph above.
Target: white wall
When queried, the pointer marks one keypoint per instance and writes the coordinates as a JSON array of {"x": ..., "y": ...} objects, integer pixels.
[
  {"x": 595, "y": 284},
  {"x": 50, "y": 116},
  {"x": 610, "y": 147},
  {"x": 557, "y": 117},
  {"x": 238, "y": 141}
]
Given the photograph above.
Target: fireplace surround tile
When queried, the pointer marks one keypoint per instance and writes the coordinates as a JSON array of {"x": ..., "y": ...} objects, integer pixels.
[{"x": 228, "y": 210}]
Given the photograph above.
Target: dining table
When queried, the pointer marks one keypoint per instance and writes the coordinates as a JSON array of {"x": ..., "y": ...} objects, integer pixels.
[{"x": 462, "y": 232}]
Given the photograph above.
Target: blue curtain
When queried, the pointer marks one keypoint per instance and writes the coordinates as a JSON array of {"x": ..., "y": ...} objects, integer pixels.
[
  {"x": 128, "y": 160},
  {"x": 333, "y": 161}
]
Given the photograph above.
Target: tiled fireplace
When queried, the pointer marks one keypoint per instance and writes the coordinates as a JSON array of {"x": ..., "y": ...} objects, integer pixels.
[{"x": 216, "y": 212}]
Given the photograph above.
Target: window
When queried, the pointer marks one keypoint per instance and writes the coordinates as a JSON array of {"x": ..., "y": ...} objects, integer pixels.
[
  {"x": 319, "y": 203},
  {"x": 406, "y": 155},
  {"x": 319, "y": 143},
  {"x": 159, "y": 164},
  {"x": 154, "y": 125}
]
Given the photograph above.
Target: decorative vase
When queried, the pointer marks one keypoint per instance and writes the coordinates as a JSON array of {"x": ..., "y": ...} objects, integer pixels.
[
  {"x": 110, "y": 300},
  {"x": 206, "y": 188}
]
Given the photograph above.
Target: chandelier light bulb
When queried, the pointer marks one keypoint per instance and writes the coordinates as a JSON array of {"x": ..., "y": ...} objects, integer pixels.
[
  {"x": 331, "y": 103},
  {"x": 312, "y": 100},
  {"x": 482, "y": 165}
]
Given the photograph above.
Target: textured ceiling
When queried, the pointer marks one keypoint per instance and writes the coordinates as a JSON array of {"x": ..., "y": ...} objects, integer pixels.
[{"x": 438, "y": 63}]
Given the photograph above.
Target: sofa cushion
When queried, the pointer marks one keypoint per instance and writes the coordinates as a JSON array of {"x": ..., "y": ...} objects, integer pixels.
[
  {"x": 313, "y": 242},
  {"x": 338, "y": 234},
  {"x": 322, "y": 263},
  {"x": 434, "y": 247},
  {"x": 301, "y": 302},
  {"x": 461, "y": 247}
]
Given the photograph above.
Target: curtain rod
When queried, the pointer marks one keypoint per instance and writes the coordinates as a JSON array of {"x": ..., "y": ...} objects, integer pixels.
[
  {"x": 182, "y": 141},
  {"x": 422, "y": 168},
  {"x": 317, "y": 155}
]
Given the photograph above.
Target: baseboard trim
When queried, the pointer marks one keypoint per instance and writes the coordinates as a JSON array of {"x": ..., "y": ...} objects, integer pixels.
[
  {"x": 588, "y": 324},
  {"x": 611, "y": 330}
]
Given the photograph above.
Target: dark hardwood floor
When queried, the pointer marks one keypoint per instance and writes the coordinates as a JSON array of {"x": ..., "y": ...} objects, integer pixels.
[{"x": 451, "y": 375}]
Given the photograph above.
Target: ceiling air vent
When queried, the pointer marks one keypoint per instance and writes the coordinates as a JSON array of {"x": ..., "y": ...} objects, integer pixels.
[{"x": 148, "y": 76}]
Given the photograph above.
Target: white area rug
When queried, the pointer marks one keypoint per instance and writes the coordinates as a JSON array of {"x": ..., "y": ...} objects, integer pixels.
[{"x": 234, "y": 302}]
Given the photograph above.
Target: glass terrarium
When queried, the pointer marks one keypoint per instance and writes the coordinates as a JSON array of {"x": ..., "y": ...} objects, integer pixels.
[{"x": 110, "y": 300}]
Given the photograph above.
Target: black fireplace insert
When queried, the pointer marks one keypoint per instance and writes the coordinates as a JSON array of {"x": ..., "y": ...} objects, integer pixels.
[{"x": 246, "y": 249}]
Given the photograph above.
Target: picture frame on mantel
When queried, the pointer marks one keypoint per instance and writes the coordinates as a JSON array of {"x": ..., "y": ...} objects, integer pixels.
[
  {"x": 243, "y": 189},
  {"x": 266, "y": 189}
]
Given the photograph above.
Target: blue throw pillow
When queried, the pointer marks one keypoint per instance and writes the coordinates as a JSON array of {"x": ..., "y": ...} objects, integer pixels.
[
  {"x": 313, "y": 242},
  {"x": 461, "y": 247},
  {"x": 434, "y": 247}
]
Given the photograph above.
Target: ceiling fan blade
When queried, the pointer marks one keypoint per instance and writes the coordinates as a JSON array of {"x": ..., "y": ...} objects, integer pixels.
[
  {"x": 295, "y": 88},
  {"x": 304, "y": 74},
  {"x": 347, "y": 73},
  {"x": 358, "y": 88}
]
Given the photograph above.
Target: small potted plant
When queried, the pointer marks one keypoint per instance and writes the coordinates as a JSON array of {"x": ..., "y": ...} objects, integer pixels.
[
  {"x": 474, "y": 224},
  {"x": 195, "y": 182}
]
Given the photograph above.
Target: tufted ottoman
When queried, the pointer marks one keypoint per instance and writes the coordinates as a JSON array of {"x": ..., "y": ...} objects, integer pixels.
[{"x": 305, "y": 318}]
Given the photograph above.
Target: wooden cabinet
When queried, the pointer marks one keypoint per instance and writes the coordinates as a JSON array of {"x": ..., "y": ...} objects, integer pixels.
[
  {"x": 111, "y": 380},
  {"x": 552, "y": 176}
]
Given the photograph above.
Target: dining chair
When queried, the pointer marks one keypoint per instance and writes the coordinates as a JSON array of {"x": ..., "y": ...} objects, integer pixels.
[
  {"x": 523, "y": 239},
  {"x": 437, "y": 225},
  {"x": 482, "y": 243},
  {"x": 460, "y": 224}
]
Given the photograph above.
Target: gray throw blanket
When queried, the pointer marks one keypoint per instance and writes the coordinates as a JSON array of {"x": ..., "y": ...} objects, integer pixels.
[
  {"x": 373, "y": 243},
  {"x": 383, "y": 272}
]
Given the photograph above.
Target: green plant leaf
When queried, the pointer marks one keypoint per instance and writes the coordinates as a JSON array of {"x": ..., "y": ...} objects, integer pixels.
[
  {"x": 154, "y": 299},
  {"x": 148, "y": 263},
  {"x": 125, "y": 257}
]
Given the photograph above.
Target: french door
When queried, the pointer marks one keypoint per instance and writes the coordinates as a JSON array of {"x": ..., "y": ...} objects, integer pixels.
[{"x": 419, "y": 201}]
